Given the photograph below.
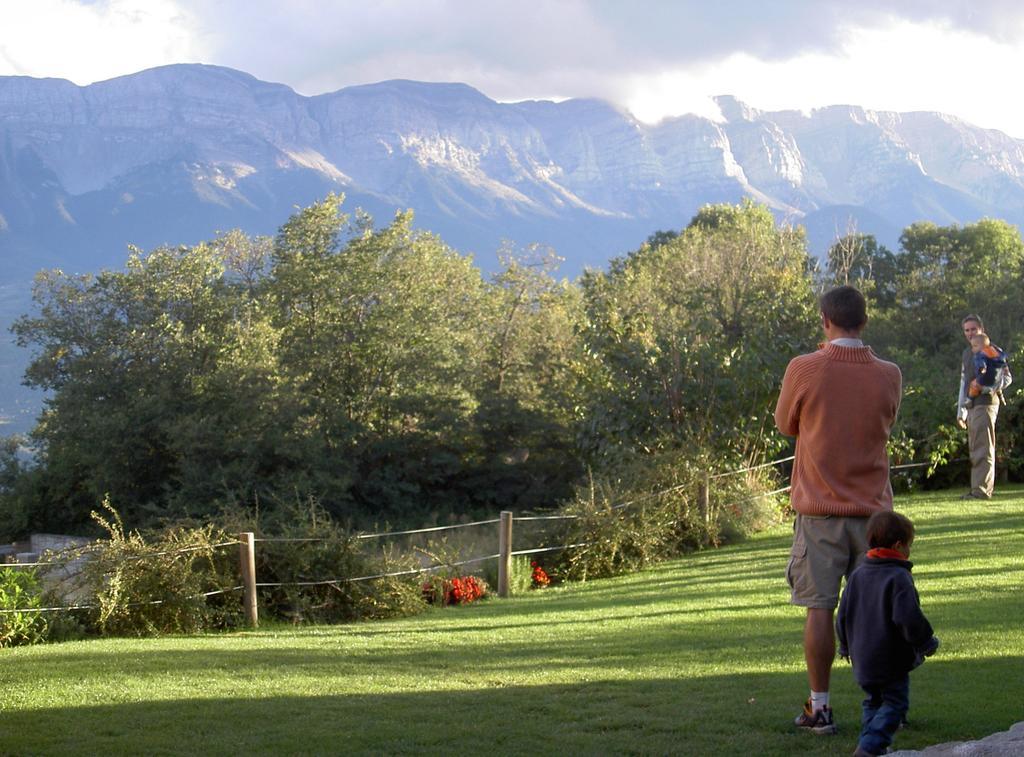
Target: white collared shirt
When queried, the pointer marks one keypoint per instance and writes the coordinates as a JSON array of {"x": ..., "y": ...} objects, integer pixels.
[{"x": 846, "y": 341}]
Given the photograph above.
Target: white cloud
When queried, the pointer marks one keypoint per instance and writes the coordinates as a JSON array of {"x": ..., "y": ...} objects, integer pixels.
[
  {"x": 87, "y": 42},
  {"x": 657, "y": 57},
  {"x": 903, "y": 67}
]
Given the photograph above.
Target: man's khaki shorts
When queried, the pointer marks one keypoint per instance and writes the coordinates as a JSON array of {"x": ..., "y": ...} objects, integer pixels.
[{"x": 825, "y": 549}]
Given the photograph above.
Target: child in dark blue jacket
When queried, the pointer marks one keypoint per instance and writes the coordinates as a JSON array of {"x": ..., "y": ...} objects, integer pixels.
[
  {"x": 882, "y": 630},
  {"x": 989, "y": 367}
]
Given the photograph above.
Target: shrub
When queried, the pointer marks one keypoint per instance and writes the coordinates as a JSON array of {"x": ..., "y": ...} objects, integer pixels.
[
  {"x": 314, "y": 559},
  {"x": 21, "y": 621},
  {"x": 651, "y": 511},
  {"x": 160, "y": 585},
  {"x": 66, "y": 625},
  {"x": 743, "y": 504},
  {"x": 447, "y": 584},
  {"x": 615, "y": 539},
  {"x": 519, "y": 578}
]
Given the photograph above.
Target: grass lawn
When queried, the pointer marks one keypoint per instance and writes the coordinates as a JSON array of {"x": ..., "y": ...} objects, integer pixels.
[{"x": 697, "y": 656}]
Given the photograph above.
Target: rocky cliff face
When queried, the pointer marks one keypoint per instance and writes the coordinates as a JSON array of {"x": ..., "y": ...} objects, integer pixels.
[{"x": 176, "y": 153}]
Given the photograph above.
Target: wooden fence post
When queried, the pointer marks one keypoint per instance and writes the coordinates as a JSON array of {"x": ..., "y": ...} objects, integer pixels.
[
  {"x": 504, "y": 552},
  {"x": 703, "y": 500},
  {"x": 247, "y": 555}
]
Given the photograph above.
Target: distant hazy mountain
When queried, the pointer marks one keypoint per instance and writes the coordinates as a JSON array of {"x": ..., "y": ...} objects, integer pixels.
[{"x": 174, "y": 154}]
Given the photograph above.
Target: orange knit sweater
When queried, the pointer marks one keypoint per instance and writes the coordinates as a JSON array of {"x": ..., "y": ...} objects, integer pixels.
[{"x": 840, "y": 404}]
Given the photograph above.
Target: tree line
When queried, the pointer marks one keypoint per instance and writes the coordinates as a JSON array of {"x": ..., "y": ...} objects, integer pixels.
[{"x": 383, "y": 376}]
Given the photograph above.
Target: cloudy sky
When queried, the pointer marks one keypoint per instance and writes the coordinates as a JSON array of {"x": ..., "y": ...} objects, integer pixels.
[{"x": 657, "y": 58}]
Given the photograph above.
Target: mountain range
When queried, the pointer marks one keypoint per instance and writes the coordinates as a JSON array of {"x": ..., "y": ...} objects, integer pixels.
[{"x": 176, "y": 154}]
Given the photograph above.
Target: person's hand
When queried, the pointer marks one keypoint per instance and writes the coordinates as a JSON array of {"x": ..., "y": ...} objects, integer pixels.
[
  {"x": 925, "y": 651},
  {"x": 961, "y": 423}
]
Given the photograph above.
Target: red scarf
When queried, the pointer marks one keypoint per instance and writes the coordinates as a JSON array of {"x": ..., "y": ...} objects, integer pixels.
[{"x": 884, "y": 553}]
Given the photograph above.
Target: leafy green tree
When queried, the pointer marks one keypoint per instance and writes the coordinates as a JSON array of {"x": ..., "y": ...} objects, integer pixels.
[
  {"x": 658, "y": 238},
  {"x": 942, "y": 274},
  {"x": 528, "y": 388},
  {"x": 13, "y": 476},
  {"x": 337, "y": 362},
  {"x": 121, "y": 353},
  {"x": 378, "y": 343},
  {"x": 946, "y": 272},
  {"x": 858, "y": 260},
  {"x": 689, "y": 339}
]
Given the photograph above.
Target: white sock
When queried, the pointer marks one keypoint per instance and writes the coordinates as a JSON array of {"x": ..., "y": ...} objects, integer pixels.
[{"x": 819, "y": 700}]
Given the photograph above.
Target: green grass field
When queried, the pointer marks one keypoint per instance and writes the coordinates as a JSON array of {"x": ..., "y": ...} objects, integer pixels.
[{"x": 697, "y": 656}]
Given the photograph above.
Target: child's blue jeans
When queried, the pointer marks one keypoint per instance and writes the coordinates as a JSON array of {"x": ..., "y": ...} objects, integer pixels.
[{"x": 884, "y": 708}]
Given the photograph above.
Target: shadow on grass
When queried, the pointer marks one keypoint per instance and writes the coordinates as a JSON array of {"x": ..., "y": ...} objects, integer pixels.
[
  {"x": 739, "y": 714},
  {"x": 638, "y": 643},
  {"x": 698, "y": 656},
  {"x": 560, "y": 648}
]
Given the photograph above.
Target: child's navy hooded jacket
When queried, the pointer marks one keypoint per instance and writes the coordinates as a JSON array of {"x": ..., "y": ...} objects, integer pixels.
[{"x": 880, "y": 624}]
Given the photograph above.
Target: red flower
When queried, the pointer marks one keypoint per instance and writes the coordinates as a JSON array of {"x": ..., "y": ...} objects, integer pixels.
[
  {"x": 458, "y": 590},
  {"x": 540, "y": 576}
]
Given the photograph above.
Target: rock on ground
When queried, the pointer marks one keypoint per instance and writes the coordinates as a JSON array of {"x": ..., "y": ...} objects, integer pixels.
[{"x": 1005, "y": 744}]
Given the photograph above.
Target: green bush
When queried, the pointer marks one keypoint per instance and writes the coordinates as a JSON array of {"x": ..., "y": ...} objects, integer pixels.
[
  {"x": 66, "y": 625},
  {"x": 652, "y": 511},
  {"x": 520, "y": 578},
  {"x": 314, "y": 558},
  {"x": 622, "y": 530},
  {"x": 21, "y": 621},
  {"x": 742, "y": 504},
  {"x": 178, "y": 580}
]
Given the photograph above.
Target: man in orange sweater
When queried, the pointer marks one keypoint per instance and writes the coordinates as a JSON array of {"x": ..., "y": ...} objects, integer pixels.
[{"x": 840, "y": 403}]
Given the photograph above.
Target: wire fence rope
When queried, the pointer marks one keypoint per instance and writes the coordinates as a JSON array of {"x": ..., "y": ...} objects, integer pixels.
[
  {"x": 385, "y": 533},
  {"x": 411, "y": 572},
  {"x": 752, "y": 467},
  {"x": 928, "y": 464},
  {"x": 415, "y": 571},
  {"x": 204, "y": 595},
  {"x": 84, "y": 554},
  {"x": 520, "y": 518}
]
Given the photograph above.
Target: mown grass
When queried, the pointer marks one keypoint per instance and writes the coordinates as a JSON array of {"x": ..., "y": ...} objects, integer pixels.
[{"x": 698, "y": 656}]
